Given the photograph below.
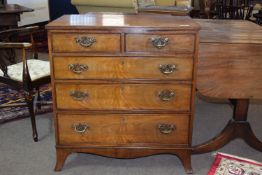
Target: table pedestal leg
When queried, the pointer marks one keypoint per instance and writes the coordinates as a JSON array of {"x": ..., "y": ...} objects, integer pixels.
[{"x": 237, "y": 127}]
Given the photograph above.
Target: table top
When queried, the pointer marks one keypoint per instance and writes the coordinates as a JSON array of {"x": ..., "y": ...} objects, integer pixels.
[
  {"x": 229, "y": 31},
  {"x": 230, "y": 59},
  {"x": 114, "y": 20},
  {"x": 14, "y": 8}
]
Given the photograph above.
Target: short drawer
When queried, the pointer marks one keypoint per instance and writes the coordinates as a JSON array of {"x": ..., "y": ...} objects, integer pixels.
[
  {"x": 67, "y": 42},
  {"x": 165, "y": 68},
  {"x": 174, "y": 97},
  {"x": 118, "y": 129},
  {"x": 163, "y": 44}
]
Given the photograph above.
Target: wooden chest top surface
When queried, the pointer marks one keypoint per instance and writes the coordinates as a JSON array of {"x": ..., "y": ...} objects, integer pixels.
[{"x": 110, "y": 20}]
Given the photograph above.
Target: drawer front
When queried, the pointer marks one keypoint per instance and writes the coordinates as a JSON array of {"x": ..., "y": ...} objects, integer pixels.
[
  {"x": 179, "y": 68},
  {"x": 174, "y": 97},
  {"x": 160, "y": 43},
  {"x": 86, "y": 42},
  {"x": 116, "y": 129}
]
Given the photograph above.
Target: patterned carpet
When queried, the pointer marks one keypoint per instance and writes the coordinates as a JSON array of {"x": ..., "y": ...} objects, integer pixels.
[
  {"x": 9, "y": 96},
  {"x": 226, "y": 164}
]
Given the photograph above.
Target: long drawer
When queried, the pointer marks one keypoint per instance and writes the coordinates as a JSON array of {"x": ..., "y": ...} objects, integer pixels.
[
  {"x": 165, "y": 68},
  {"x": 175, "y": 97},
  {"x": 160, "y": 43},
  {"x": 119, "y": 129},
  {"x": 81, "y": 42}
]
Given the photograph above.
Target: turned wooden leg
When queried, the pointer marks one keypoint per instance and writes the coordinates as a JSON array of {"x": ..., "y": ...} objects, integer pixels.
[
  {"x": 29, "y": 98},
  {"x": 185, "y": 157},
  {"x": 61, "y": 156},
  {"x": 237, "y": 127}
]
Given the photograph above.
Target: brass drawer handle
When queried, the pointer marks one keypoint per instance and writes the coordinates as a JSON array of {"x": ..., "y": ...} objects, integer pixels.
[
  {"x": 80, "y": 128},
  {"x": 167, "y": 68},
  {"x": 78, "y": 95},
  {"x": 166, "y": 95},
  {"x": 166, "y": 128},
  {"x": 85, "y": 41},
  {"x": 159, "y": 42},
  {"x": 78, "y": 68}
]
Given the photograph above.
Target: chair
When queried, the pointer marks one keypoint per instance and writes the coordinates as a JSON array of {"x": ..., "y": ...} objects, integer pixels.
[
  {"x": 228, "y": 9},
  {"x": 25, "y": 74}
]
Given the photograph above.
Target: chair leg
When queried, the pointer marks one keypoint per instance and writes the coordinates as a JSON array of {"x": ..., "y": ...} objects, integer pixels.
[
  {"x": 30, "y": 103},
  {"x": 38, "y": 98}
]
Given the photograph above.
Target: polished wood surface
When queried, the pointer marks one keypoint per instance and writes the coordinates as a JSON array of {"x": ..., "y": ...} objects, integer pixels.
[
  {"x": 124, "y": 67},
  {"x": 121, "y": 152},
  {"x": 237, "y": 127},
  {"x": 230, "y": 66},
  {"x": 230, "y": 53},
  {"x": 229, "y": 31},
  {"x": 122, "y": 130},
  {"x": 66, "y": 42},
  {"x": 176, "y": 44},
  {"x": 14, "y": 8},
  {"x": 10, "y": 14},
  {"x": 111, "y": 20},
  {"x": 114, "y": 97},
  {"x": 236, "y": 70},
  {"x": 122, "y": 100}
]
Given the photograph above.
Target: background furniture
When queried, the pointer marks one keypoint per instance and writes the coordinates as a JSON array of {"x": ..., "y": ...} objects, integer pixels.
[
  {"x": 233, "y": 59},
  {"x": 127, "y": 6},
  {"x": 228, "y": 9},
  {"x": 10, "y": 15},
  {"x": 39, "y": 15},
  {"x": 85, "y": 6},
  {"x": 23, "y": 74},
  {"x": 124, "y": 84},
  {"x": 258, "y": 17}
]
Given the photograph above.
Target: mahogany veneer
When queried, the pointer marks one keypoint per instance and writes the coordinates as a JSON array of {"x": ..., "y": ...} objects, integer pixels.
[{"x": 230, "y": 52}]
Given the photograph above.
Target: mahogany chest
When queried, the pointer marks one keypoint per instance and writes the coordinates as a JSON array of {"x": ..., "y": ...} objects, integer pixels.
[{"x": 123, "y": 85}]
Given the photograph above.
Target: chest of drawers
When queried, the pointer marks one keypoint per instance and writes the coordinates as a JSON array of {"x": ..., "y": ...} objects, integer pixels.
[{"x": 123, "y": 85}]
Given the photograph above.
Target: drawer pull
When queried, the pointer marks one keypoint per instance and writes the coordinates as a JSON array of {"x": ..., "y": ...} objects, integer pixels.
[
  {"x": 165, "y": 128},
  {"x": 85, "y": 41},
  {"x": 166, "y": 95},
  {"x": 78, "y": 68},
  {"x": 80, "y": 128},
  {"x": 159, "y": 42},
  {"x": 78, "y": 95},
  {"x": 167, "y": 68}
]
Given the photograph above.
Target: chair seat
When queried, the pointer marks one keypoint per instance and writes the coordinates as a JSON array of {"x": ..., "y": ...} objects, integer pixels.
[{"x": 37, "y": 69}]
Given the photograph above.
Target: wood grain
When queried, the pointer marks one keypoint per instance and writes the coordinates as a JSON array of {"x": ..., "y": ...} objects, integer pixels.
[
  {"x": 236, "y": 73},
  {"x": 143, "y": 43},
  {"x": 229, "y": 31},
  {"x": 183, "y": 153},
  {"x": 66, "y": 42},
  {"x": 124, "y": 67},
  {"x": 120, "y": 88},
  {"x": 122, "y": 130},
  {"x": 123, "y": 97},
  {"x": 230, "y": 64},
  {"x": 132, "y": 22}
]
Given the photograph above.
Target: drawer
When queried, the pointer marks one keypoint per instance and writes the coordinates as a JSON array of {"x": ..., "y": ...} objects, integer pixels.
[
  {"x": 163, "y": 44},
  {"x": 118, "y": 129},
  {"x": 165, "y": 68},
  {"x": 174, "y": 97},
  {"x": 66, "y": 42}
]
